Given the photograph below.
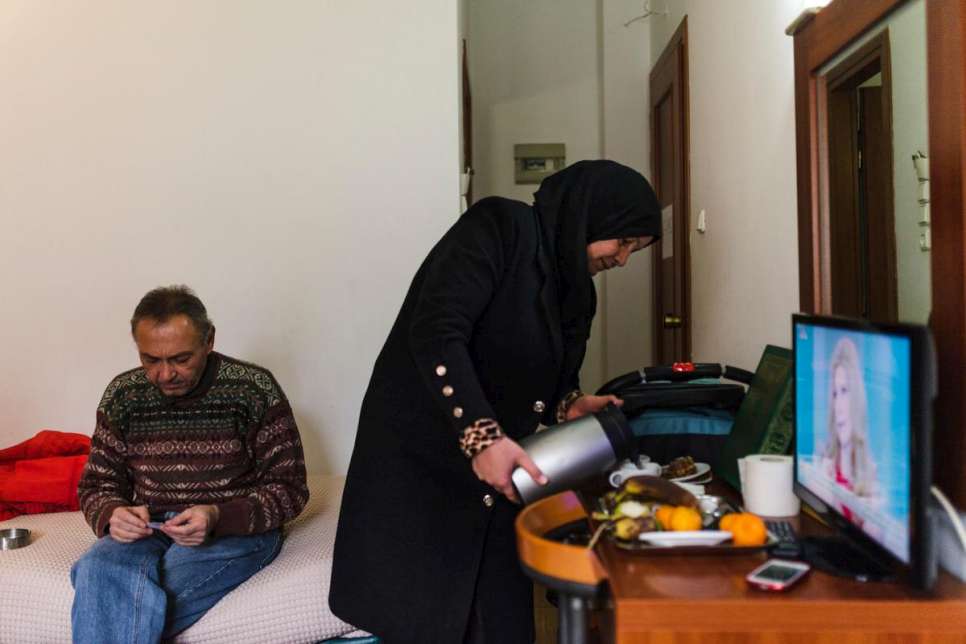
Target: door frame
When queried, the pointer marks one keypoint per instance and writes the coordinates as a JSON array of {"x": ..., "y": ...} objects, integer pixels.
[{"x": 845, "y": 76}]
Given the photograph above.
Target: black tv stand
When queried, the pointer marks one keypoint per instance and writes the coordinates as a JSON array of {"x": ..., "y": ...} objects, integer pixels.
[{"x": 838, "y": 556}]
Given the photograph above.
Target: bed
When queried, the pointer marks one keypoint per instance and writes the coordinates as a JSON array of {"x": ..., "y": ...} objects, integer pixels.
[{"x": 36, "y": 595}]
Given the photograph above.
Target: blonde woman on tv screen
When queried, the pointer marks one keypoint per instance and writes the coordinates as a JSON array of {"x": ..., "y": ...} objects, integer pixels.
[{"x": 847, "y": 459}]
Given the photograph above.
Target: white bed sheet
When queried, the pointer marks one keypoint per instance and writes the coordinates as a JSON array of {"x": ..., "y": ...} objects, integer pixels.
[{"x": 285, "y": 602}]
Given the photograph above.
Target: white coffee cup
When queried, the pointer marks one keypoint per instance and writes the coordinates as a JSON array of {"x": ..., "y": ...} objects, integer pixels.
[{"x": 628, "y": 469}]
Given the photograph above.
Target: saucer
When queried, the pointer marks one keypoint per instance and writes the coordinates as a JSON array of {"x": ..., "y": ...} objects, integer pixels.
[{"x": 687, "y": 538}]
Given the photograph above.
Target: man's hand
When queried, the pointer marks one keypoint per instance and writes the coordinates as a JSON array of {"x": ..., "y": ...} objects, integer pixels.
[
  {"x": 129, "y": 523},
  {"x": 191, "y": 527},
  {"x": 495, "y": 464},
  {"x": 590, "y": 404}
]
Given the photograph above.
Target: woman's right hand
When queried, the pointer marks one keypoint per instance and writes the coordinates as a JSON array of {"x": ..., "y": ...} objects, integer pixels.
[{"x": 495, "y": 465}]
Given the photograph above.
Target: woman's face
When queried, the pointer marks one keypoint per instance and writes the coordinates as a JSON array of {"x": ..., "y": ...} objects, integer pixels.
[
  {"x": 607, "y": 253},
  {"x": 840, "y": 405}
]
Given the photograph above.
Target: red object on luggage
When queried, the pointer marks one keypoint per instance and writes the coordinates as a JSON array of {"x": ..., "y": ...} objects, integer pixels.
[
  {"x": 41, "y": 474},
  {"x": 682, "y": 366}
]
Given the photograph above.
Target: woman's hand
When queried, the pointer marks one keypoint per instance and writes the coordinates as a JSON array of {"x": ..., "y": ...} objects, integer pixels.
[
  {"x": 590, "y": 404},
  {"x": 496, "y": 463}
]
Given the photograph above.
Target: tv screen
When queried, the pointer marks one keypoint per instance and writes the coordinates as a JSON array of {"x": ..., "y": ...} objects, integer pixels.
[
  {"x": 863, "y": 395},
  {"x": 852, "y": 417}
]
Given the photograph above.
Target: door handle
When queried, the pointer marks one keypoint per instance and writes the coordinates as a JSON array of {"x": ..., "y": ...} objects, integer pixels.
[{"x": 672, "y": 321}]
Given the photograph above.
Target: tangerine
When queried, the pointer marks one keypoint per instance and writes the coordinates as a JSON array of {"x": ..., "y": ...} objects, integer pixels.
[
  {"x": 748, "y": 530},
  {"x": 663, "y": 516},
  {"x": 684, "y": 518},
  {"x": 725, "y": 522}
]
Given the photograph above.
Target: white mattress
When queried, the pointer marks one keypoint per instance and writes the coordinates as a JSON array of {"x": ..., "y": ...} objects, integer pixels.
[{"x": 285, "y": 602}]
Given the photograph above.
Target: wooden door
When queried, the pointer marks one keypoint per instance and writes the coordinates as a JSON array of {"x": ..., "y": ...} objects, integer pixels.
[{"x": 669, "y": 157}]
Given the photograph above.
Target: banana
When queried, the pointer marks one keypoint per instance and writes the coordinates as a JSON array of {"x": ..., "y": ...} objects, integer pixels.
[
  {"x": 628, "y": 528},
  {"x": 657, "y": 489}
]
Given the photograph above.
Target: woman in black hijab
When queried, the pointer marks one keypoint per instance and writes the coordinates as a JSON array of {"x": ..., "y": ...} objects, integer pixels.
[{"x": 488, "y": 344}]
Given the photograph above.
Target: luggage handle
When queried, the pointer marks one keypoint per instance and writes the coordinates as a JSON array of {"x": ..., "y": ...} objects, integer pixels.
[{"x": 677, "y": 372}]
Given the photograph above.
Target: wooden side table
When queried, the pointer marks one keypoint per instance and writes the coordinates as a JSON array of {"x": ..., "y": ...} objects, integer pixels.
[{"x": 686, "y": 599}]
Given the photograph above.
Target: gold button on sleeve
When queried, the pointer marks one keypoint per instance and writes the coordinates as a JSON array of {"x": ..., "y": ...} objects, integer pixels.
[
  {"x": 441, "y": 370},
  {"x": 458, "y": 412},
  {"x": 447, "y": 391},
  {"x": 488, "y": 500},
  {"x": 539, "y": 406}
]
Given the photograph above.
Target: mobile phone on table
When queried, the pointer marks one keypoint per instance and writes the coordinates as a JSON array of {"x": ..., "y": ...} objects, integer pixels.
[{"x": 777, "y": 574}]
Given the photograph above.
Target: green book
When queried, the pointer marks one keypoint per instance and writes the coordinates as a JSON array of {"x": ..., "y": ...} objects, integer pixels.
[{"x": 764, "y": 422}]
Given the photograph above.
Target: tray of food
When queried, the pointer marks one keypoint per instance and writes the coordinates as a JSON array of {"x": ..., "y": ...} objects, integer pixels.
[{"x": 650, "y": 514}]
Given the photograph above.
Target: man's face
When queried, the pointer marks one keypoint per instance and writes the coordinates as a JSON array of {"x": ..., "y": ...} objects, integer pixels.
[{"x": 173, "y": 353}]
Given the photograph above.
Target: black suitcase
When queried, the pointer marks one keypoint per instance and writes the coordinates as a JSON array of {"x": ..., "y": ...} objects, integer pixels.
[{"x": 673, "y": 388}]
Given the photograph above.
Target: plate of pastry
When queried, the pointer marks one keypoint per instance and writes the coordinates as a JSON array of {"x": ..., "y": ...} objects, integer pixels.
[{"x": 684, "y": 468}]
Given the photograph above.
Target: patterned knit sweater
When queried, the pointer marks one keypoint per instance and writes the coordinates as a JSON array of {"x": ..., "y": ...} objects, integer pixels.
[{"x": 231, "y": 442}]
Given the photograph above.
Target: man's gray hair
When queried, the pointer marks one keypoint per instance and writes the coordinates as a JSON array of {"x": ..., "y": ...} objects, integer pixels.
[{"x": 165, "y": 302}]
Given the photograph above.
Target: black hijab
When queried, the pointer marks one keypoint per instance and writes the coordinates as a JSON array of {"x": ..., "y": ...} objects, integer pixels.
[{"x": 586, "y": 202}]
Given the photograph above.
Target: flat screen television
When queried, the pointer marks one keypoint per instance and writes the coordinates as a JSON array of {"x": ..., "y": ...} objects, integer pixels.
[{"x": 864, "y": 397}]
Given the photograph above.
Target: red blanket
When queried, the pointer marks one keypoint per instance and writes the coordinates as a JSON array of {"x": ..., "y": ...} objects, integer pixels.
[{"x": 41, "y": 473}]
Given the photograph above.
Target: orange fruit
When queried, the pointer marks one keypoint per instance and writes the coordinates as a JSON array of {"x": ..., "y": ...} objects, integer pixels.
[
  {"x": 684, "y": 518},
  {"x": 725, "y": 522},
  {"x": 748, "y": 530},
  {"x": 663, "y": 516}
]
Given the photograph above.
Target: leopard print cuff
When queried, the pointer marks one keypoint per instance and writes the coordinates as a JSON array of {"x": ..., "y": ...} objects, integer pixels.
[
  {"x": 480, "y": 435},
  {"x": 566, "y": 403}
]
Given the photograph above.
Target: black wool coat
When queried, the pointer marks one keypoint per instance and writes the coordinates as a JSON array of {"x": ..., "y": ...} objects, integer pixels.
[{"x": 418, "y": 533}]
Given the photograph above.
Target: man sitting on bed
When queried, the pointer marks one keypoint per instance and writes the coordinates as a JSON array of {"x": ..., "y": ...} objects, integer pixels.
[{"x": 195, "y": 464}]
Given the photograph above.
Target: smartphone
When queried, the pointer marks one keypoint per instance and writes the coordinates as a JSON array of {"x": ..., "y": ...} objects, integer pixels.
[{"x": 777, "y": 574}]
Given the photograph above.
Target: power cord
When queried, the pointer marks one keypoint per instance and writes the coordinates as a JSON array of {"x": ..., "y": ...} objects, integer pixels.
[{"x": 954, "y": 519}]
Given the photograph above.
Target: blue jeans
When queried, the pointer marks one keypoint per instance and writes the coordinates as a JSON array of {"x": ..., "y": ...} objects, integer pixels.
[{"x": 152, "y": 588}]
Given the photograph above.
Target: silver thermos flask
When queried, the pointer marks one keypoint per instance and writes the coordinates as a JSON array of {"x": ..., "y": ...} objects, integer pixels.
[{"x": 572, "y": 453}]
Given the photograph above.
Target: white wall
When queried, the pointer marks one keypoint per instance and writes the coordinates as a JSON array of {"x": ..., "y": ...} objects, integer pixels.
[
  {"x": 910, "y": 128},
  {"x": 628, "y": 292},
  {"x": 744, "y": 270},
  {"x": 293, "y": 163}
]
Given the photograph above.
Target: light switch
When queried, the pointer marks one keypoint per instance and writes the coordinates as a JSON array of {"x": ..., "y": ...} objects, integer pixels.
[{"x": 702, "y": 221}]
